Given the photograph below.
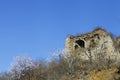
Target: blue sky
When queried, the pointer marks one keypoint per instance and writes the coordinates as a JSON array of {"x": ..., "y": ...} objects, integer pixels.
[{"x": 38, "y": 27}]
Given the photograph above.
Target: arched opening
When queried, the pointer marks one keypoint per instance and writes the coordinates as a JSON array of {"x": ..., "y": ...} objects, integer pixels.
[{"x": 81, "y": 43}]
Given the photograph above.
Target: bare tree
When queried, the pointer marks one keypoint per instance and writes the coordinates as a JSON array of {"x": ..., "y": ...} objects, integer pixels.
[
  {"x": 72, "y": 61},
  {"x": 21, "y": 67}
]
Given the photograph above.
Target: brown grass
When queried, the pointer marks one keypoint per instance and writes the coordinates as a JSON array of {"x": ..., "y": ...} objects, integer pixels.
[{"x": 104, "y": 74}]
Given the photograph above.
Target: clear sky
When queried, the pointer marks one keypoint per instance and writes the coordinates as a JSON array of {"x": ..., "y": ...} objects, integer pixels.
[{"x": 38, "y": 27}]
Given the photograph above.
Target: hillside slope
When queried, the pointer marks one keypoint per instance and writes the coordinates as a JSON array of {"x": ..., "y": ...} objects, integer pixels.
[{"x": 90, "y": 56}]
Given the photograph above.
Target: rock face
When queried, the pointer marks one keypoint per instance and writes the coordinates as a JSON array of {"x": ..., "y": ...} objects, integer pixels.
[{"x": 98, "y": 41}]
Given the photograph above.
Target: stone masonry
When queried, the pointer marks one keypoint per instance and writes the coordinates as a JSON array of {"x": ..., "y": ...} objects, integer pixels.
[{"x": 98, "y": 41}]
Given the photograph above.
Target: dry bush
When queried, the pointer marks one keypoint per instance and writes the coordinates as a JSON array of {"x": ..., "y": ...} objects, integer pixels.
[{"x": 65, "y": 67}]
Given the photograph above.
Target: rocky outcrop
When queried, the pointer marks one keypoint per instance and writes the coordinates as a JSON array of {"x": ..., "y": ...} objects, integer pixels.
[{"x": 93, "y": 43}]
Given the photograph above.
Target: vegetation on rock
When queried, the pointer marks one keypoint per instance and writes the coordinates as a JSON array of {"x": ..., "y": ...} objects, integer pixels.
[{"x": 70, "y": 64}]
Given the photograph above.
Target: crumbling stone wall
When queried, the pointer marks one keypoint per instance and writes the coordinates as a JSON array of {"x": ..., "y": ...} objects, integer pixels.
[{"x": 94, "y": 42}]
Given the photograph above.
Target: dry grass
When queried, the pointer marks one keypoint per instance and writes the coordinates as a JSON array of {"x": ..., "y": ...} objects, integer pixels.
[{"x": 104, "y": 74}]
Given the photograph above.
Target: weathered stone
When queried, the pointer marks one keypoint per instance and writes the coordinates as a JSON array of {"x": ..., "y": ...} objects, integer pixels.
[{"x": 94, "y": 42}]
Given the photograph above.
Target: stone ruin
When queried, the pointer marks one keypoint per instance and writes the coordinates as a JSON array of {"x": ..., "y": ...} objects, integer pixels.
[{"x": 93, "y": 43}]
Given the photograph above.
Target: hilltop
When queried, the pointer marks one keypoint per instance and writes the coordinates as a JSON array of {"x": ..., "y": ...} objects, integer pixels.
[
  {"x": 98, "y": 41},
  {"x": 94, "y": 55}
]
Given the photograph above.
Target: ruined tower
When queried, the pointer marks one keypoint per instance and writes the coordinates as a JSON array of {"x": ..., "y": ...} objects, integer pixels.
[{"x": 94, "y": 42}]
